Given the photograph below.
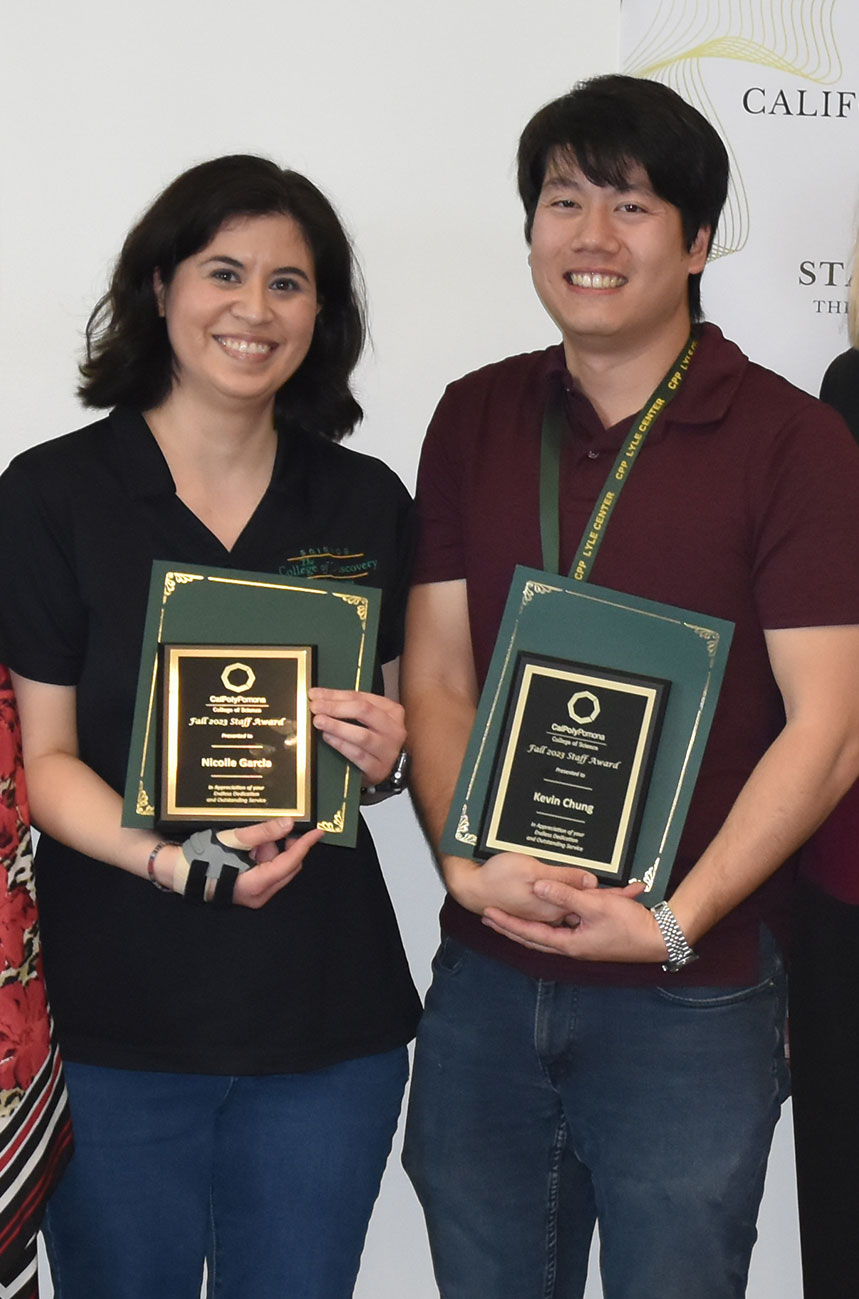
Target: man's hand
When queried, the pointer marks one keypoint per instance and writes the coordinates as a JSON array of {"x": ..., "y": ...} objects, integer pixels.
[
  {"x": 598, "y": 924},
  {"x": 507, "y": 883}
]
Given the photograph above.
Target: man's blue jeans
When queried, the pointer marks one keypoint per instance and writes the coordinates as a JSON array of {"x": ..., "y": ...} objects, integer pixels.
[
  {"x": 538, "y": 1108},
  {"x": 272, "y": 1178}
]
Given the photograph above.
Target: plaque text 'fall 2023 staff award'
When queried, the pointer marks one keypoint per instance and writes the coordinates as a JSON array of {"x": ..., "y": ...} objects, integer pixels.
[
  {"x": 236, "y": 737},
  {"x": 573, "y": 764}
]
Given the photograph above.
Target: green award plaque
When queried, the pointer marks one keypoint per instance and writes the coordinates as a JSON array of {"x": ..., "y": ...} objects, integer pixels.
[
  {"x": 598, "y": 678},
  {"x": 236, "y": 741},
  {"x": 226, "y": 609}
]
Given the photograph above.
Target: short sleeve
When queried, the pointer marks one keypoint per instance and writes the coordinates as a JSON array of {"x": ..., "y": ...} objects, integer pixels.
[
  {"x": 42, "y": 617},
  {"x": 806, "y": 545},
  {"x": 440, "y": 547}
]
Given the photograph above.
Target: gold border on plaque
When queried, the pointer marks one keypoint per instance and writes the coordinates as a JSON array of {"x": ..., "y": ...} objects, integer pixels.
[
  {"x": 578, "y": 677},
  {"x": 301, "y": 655}
]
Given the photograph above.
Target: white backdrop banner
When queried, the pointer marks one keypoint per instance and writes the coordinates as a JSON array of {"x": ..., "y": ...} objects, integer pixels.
[{"x": 779, "y": 79}]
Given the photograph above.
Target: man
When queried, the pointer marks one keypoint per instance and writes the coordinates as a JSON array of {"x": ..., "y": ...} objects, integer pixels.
[{"x": 583, "y": 1057}]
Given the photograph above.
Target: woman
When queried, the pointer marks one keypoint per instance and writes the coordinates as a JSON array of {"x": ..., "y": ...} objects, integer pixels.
[
  {"x": 824, "y": 1012},
  {"x": 235, "y": 1074}
]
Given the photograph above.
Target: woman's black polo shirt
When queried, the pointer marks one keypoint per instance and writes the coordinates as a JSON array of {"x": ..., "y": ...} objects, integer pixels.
[{"x": 141, "y": 979}]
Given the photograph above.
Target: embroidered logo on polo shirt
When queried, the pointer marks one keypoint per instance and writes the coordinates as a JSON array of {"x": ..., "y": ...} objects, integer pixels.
[{"x": 336, "y": 562}]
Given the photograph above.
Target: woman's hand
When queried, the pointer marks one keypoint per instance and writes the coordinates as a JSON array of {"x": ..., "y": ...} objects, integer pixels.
[
  {"x": 278, "y": 858},
  {"x": 367, "y": 729}
]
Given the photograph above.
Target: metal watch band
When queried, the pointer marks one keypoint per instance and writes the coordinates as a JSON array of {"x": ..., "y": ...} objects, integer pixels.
[
  {"x": 679, "y": 951},
  {"x": 395, "y": 783}
]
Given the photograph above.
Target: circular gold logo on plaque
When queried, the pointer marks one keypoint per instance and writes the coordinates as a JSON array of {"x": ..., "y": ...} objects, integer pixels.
[
  {"x": 585, "y": 700},
  {"x": 244, "y": 682}
]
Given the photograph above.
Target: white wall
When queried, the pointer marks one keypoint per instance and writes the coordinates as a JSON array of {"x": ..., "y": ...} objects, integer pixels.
[{"x": 408, "y": 116}]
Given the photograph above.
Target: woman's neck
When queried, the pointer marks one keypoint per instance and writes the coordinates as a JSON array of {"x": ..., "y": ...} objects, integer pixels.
[{"x": 220, "y": 461}]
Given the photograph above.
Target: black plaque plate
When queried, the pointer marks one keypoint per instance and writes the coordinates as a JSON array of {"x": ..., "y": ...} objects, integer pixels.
[
  {"x": 573, "y": 764},
  {"x": 236, "y": 743}
]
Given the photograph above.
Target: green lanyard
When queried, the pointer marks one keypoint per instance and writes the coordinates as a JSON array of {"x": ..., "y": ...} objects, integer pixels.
[{"x": 550, "y": 470}]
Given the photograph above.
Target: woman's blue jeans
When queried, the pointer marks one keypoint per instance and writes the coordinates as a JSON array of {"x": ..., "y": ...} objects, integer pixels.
[
  {"x": 272, "y": 1179},
  {"x": 539, "y": 1108}
]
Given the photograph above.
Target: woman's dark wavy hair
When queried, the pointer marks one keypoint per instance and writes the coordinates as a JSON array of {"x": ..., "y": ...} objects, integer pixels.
[
  {"x": 128, "y": 356},
  {"x": 608, "y": 125}
]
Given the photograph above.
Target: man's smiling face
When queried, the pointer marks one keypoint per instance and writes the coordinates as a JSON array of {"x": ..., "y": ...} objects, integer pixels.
[{"x": 610, "y": 265}]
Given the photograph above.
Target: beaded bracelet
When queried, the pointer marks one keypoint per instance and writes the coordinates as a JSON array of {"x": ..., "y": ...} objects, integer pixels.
[{"x": 150, "y": 866}]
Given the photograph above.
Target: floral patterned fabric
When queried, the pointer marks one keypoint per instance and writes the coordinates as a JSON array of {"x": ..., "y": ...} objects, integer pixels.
[{"x": 35, "y": 1131}]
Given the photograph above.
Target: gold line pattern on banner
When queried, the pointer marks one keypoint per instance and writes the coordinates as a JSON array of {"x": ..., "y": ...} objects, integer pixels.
[{"x": 791, "y": 36}]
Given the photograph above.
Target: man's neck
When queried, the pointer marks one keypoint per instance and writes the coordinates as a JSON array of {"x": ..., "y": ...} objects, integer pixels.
[{"x": 617, "y": 384}]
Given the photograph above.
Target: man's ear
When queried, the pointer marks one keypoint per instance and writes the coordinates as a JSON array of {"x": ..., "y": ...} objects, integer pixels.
[
  {"x": 160, "y": 291},
  {"x": 698, "y": 251}
]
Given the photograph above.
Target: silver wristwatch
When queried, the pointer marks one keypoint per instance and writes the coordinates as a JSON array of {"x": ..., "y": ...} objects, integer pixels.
[
  {"x": 679, "y": 951},
  {"x": 395, "y": 783}
]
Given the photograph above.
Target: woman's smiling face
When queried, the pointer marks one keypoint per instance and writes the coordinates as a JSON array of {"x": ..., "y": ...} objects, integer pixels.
[{"x": 241, "y": 312}]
